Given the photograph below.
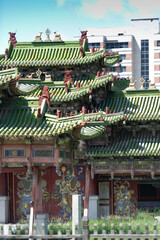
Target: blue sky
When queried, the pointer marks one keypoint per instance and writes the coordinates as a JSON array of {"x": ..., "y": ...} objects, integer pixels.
[{"x": 29, "y": 17}]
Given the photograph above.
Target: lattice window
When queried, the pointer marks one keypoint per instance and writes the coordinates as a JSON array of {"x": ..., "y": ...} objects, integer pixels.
[
  {"x": 14, "y": 153},
  {"x": 64, "y": 154},
  {"x": 68, "y": 155},
  {"x": 43, "y": 153},
  {"x": 61, "y": 154}
]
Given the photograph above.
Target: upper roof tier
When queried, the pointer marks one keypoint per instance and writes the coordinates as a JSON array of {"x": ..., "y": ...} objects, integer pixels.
[
  {"x": 50, "y": 54},
  {"x": 11, "y": 81}
]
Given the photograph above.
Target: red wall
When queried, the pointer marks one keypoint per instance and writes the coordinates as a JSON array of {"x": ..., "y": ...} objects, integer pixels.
[{"x": 57, "y": 191}]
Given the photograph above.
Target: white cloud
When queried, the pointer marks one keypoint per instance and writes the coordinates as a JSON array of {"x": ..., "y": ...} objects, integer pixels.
[
  {"x": 145, "y": 7},
  {"x": 98, "y": 8},
  {"x": 60, "y": 3}
]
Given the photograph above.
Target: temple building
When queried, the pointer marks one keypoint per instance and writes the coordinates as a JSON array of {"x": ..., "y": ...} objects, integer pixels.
[{"x": 68, "y": 126}]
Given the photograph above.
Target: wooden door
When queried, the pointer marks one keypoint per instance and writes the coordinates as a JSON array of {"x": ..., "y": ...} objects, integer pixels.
[{"x": 104, "y": 198}]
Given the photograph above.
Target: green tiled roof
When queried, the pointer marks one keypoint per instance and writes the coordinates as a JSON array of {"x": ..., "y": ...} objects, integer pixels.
[
  {"x": 57, "y": 89},
  {"x": 94, "y": 129},
  {"x": 127, "y": 146},
  {"x": 51, "y": 54},
  {"x": 33, "y": 88},
  {"x": 111, "y": 60},
  {"x": 138, "y": 105},
  {"x": 121, "y": 84},
  {"x": 23, "y": 123},
  {"x": 7, "y": 76}
]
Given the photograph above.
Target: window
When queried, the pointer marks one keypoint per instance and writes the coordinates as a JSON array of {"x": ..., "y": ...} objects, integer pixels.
[
  {"x": 145, "y": 61},
  {"x": 61, "y": 154},
  {"x": 68, "y": 155},
  {"x": 43, "y": 153},
  {"x": 95, "y": 45},
  {"x": 123, "y": 69},
  {"x": 64, "y": 154},
  {"x": 112, "y": 69},
  {"x": 158, "y": 43},
  {"x": 12, "y": 153},
  {"x": 111, "y": 45},
  {"x": 149, "y": 192},
  {"x": 123, "y": 56}
]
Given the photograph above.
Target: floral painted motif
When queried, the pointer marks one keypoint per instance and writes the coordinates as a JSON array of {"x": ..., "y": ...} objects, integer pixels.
[
  {"x": 24, "y": 191},
  {"x": 124, "y": 199},
  {"x": 66, "y": 186}
]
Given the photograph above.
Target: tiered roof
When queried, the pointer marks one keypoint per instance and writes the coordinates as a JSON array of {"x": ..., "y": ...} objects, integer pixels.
[
  {"x": 143, "y": 144},
  {"x": 23, "y": 116},
  {"x": 53, "y": 54},
  {"x": 138, "y": 105},
  {"x": 22, "y": 123}
]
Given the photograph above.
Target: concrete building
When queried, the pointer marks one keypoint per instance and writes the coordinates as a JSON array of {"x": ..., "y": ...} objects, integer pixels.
[{"x": 138, "y": 45}]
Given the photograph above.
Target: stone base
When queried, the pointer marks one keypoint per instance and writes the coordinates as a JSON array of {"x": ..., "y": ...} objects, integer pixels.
[
  {"x": 39, "y": 219},
  {"x": 4, "y": 209},
  {"x": 93, "y": 207}
]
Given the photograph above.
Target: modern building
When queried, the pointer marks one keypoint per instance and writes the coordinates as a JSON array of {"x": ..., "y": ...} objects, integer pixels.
[{"x": 138, "y": 46}]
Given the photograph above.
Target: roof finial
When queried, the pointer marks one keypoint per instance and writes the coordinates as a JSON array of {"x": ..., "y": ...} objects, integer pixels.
[
  {"x": 12, "y": 39},
  {"x": 38, "y": 37},
  {"x": 48, "y": 32},
  {"x": 57, "y": 37},
  {"x": 142, "y": 81},
  {"x": 38, "y": 73}
]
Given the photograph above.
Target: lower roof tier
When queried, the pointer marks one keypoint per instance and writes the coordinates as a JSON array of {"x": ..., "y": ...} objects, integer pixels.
[
  {"x": 138, "y": 105},
  {"x": 24, "y": 123},
  {"x": 125, "y": 145}
]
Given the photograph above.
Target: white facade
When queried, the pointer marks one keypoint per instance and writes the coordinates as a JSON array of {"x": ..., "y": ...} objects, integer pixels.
[{"x": 142, "y": 54}]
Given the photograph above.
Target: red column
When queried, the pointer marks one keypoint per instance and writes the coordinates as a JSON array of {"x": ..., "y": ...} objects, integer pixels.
[
  {"x": 87, "y": 190},
  {"x": 37, "y": 190},
  {"x": 2, "y": 184},
  {"x": 2, "y": 175}
]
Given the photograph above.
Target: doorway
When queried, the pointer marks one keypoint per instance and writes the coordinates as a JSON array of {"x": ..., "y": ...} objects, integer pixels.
[{"x": 104, "y": 198}]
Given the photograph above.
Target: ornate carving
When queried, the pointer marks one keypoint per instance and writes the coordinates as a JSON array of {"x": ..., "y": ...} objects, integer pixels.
[
  {"x": 68, "y": 78},
  {"x": 57, "y": 37},
  {"x": 142, "y": 81},
  {"x": 45, "y": 95},
  {"x": 81, "y": 51},
  {"x": 39, "y": 73},
  {"x": 48, "y": 32},
  {"x": 12, "y": 39},
  {"x": 38, "y": 37},
  {"x": 83, "y": 36},
  {"x": 6, "y": 53}
]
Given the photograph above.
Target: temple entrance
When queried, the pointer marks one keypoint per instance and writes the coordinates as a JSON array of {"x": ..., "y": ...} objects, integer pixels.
[{"x": 104, "y": 198}]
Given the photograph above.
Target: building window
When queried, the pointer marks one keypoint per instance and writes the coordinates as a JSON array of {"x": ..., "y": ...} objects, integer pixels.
[
  {"x": 68, "y": 155},
  {"x": 145, "y": 61},
  {"x": 110, "y": 45},
  {"x": 95, "y": 45},
  {"x": 158, "y": 43},
  {"x": 123, "y": 69},
  {"x": 64, "y": 154},
  {"x": 43, "y": 153},
  {"x": 61, "y": 154},
  {"x": 149, "y": 192},
  {"x": 123, "y": 56},
  {"x": 12, "y": 153},
  {"x": 112, "y": 69}
]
